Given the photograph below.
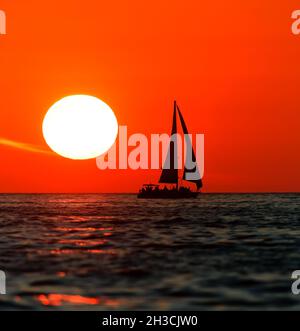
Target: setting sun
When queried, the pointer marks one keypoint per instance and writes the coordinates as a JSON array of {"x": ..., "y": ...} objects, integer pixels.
[{"x": 80, "y": 127}]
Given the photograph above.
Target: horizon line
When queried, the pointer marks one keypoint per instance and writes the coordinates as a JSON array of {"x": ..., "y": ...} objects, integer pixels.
[{"x": 134, "y": 193}]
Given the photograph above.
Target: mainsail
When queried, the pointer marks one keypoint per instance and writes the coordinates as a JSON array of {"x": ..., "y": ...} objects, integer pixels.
[
  {"x": 170, "y": 170},
  {"x": 191, "y": 175}
]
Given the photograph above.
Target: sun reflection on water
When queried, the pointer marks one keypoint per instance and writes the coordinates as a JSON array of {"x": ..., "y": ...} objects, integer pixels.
[
  {"x": 77, "y": 240},
  {"x": 56, "y": 299}
]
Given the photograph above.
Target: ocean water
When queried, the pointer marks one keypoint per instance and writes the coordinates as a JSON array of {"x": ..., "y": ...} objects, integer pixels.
[{"x": 113, "y": 251}]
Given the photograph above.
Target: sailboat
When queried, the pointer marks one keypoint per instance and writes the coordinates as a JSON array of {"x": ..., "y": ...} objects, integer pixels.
[{"x": 170, "y": 174}]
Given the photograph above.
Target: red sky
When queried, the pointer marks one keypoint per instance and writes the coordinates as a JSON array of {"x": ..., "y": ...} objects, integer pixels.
[{"x": 233, "y": 67}]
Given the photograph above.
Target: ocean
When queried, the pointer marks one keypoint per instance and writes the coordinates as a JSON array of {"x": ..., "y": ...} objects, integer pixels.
[{"x": 116, "y": 252}]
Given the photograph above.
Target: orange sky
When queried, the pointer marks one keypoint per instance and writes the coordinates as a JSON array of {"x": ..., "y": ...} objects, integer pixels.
[{"x": 233, "y": 66}]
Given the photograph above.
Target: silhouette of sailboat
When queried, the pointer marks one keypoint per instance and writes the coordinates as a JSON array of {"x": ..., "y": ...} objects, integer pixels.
[{"x": 170, "y": 173}]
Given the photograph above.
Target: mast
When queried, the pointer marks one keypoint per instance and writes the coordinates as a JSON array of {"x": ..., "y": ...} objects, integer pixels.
[{"x": 170, "y": 169}]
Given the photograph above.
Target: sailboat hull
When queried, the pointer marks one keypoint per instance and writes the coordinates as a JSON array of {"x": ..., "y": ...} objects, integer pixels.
[{"x": 161, "y": 194}]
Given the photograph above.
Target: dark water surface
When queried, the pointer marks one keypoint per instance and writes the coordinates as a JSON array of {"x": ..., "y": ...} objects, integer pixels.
[{"x": 220, "y": 251}]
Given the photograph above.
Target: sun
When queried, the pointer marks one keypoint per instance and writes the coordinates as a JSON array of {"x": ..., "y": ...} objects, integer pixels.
[{"x": 80, "y": 127}]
